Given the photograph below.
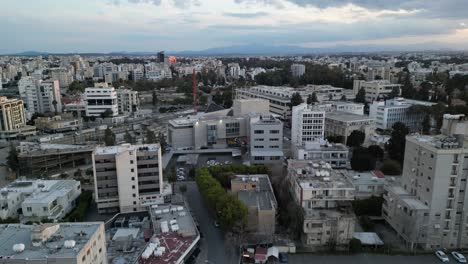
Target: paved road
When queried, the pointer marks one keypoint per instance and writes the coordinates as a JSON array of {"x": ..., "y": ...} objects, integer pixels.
[
  {"x": 212, "y": 246},
  {"x": 363, "y": 259}
]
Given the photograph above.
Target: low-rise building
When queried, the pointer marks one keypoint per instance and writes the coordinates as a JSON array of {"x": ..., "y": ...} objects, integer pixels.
[
  {"x": 335, "y": 154},
  {"x": 342, "y": 124},
  {"x": 368, "y": 183},
  {"x": 342, "y": 106},
  {"x": 39, "y": 199},
  {"x": 325, "y": 195},
  {"x": 387, "y": 113},
  {"x": 243, "y": 107},
  {"x": 266, "y": 139},
  {"x": 58, "y": 123},
  {"x": 378, "y": 89},
  {"x": 128, "y": 178},
  {"x": 77, "y": 243},
  {"x": 256, "y": 192}
]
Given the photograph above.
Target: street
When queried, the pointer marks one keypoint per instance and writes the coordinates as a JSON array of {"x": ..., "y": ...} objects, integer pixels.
[
  {"x": 362, "y": 259},
  {"x": 212, "y": 244}
]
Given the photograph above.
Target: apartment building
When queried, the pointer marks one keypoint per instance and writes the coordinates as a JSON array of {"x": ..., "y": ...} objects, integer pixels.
[
  {"x": 334, "y": 154},
  {"x": 62, "y": 75},
  {"x": 39, "y": 199},
  {"x": 298, "y": 70},
  {"x": 349, "y": 107},
  {"x": 100, "y": 100},
  {"x": 342, "y": 124},
  {"x": 280, "y": 97},
  {"x": 325, "y": 196},
  {"x": 74, "y": 243},
  {"x": 256, "y": 192},
  {"x": 40, "y": 96},
  {"x": 428, "y": 208},
  {"x": 13, "y": 120},
  {"x": 266, "y": 139},
  {"x": 128, "y": 177},
  {"x": 128, "y": 101},
  {"x": 387, "y": 113},
  {"x": 378, "y": 89},
  {"x": 307, "y": 124}
]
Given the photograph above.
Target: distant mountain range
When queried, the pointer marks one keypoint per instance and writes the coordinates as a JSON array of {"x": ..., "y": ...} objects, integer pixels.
[{"x": 258, "y": 49}]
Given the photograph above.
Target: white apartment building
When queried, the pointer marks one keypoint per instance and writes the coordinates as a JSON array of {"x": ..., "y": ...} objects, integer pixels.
[
  {"x": 428, "y": 209},
  {"x": 343, "y": 124},
  {"x": 297, "y": 70},
  {"x": 40, "y": 96},
  {"x": 234, "y": 70},
  {"x": 39, "y": 199},
  {"x": 386, "y": 113},
  {"x": 266, "y": 139},
  {"x": 349, "y": 107},
  {"x": 13, "y": 120},
  {"x": 307, "y": 124},
  {"x": 128, "y": 177},
  {"x": 62, "y": 75},
  {"x": 128, "y": 101},
  {"x": 101, "y": 99},
  {"x": 138, "y": 74},
  {"x": 334, "y": 154},
  {"x": 325, "y": 196},
  {"x": 280, "y": 97},
  {"x": 377, "y": 89},
  {"x": 77, "y": 243}
]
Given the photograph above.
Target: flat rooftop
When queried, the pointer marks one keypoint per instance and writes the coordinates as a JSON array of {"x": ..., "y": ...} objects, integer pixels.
[
  {"x": 126, "y": 147},
  {"x": 53, "y": 248},
  {"x": 40, "y": 191},
  {"x": 438, "y": 142},
  {"x": 323, "y": 147},
  {"x": 263, "y": 197},
  {"x": 317, "y": 174},
  {"x": 346, "y": 117}
]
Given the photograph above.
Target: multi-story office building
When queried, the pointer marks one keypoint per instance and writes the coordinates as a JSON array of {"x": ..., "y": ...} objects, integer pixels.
[
  {"x": 128, "y": 101},
  {"x": 378, "y": 89},
  {"x": 307, "y": 124},
  {"x": 342, "y": 124},
  {"x": 280, "y": 97},
  {"x": 13, "y": 120},
  {"x": 256, "y": 192},
  {"x": 266, "y": 139},
  {"x": 221, "y": 132},
  {"x": 325, "y": 196},
  {"x": 128, "y": 177},
  {"x": 297, "y": 70},
  {"x": 386, "y": 113},
  {"x": 74, "y": 243},
  {"x": 100, "y": 100},
  {"x": 39, "y": 199},
  {"x": 428, "y": 208}
]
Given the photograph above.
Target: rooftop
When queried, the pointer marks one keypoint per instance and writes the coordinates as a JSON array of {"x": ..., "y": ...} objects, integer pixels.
[
  {"x": 317, "y": 174},
  {"x": 438, "y": 142},
  {"x": 322, "y": 146},
  {"x": 262, "y": 197},
  {"x": 34, "y": 149},
  {"x": 126, "y": 147},
  {"x": 367, "y": 177},
  {"x": 53, "y": 246},
  {"x": 346, "y": 117}
]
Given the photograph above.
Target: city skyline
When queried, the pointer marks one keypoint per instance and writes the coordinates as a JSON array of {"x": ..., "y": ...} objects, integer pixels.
[{"x": 177, "y": 25}]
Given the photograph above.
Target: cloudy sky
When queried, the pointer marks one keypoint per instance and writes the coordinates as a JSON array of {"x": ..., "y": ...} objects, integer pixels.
[{"x": 150, "y": 25}]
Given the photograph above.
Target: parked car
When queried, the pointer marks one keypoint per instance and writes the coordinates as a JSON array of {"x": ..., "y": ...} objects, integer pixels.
[
  {"x": 458, "y": 257},
  {"x": 283, "y": 257},
  {"x": 442, "y": 256}
]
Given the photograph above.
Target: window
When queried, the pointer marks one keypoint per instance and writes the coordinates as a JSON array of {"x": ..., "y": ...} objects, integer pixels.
[
  {"x": 132, "y": 170},
  {"x": 259, "y": 131},
  {"x": 133, "y": 186},
  {"x": 134, "y": 202},
  {"x": 133, "y": 178},
  {"x": 274, "y": 131},
  {"x": 134, "y": 195},
  {"x": 29, "y": 209},
  {"x": 131, "y": 161}
]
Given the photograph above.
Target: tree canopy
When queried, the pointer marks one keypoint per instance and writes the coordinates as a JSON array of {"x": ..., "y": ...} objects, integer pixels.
[
  {"x": 312, "y": 98},
  {"x": 396, "y": 143},
  {"x": 12, "y": 158},
  {"x": 296, "y": 99},
  {"x": 362, "y": 160},
  {"x": 109, "y": 137},
  {"x": 361, "y": 96},
  {"x": 356, "y": 138}
]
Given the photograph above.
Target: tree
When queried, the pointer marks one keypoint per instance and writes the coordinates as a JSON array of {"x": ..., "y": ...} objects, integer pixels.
[
  {"x": 397, "y": 141},
  {"x": 312, "y": 98},
  {"x": 343, "y": 98},
  {"x": 150, "y": 137},
  {"x": 171, "y": 176},
  {"x": 107, "y": 113},
  {"x": 183, "y": 188},
  {"x": 12, "y": 159},
  {"x": 356, "y": 138},
  {"x": 426, "y": 124},
  {"x": 408, "y": 91},
  {"x": 54, "y": 103},
  {"x": 154, "y": 98},
  {"x": 109, "y": 137},
  {"x": 362, "y": 160},
  {"x": 78, "y": 173},
  {"x": 296, "y": 99},
  {"x": 394, "y": 93},
  {"x": 361, "y": 96},
  {"x": 391, "y": 167},
  {"x": 376, "y": 151},
  {"x": 355, "y": 245},
  {"x": 128, "y": 138},
  {"x": 162, "y": 142}
]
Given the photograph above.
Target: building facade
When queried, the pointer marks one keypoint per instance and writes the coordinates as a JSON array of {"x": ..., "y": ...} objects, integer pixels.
[
  {"x": 307, "y": 124},
  {"x": 128, "y": 177},
  {"x": 375, "y": 90},
  {"x": 334, "y": 154},
  {"x": 342, "y": 124},
  {"x": 100, "y": 100},
  {"x": 13, "y": 120},
  {"x": 266, "y": 139},
  {"x": 128, "y": 101}
]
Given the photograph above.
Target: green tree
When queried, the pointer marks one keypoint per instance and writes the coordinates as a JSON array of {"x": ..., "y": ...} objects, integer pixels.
[
  {"x": 312, "y": 98},
  {"x": 183, "y": 188},
  {"x": 394, "y": 93},
  {"x": 54, "y": 103},
  {"x": 109, "y": 137},
  {"x": 150, "y": 137},
  {"x": 376, "y": 151},
  {"x": 154, "y": 98},
  {"x": 426, "y": 124},
  {"x": 361, "y": 96},
  {"x": 391, "y": 167},
  {"x": 12, "y": 159},
  {"x": 408, "y": 91},
  {"x": 171, "y": 176},
  {"x": 107, "y": 113},
  {"x": 128, "y": 138},
  {"x": 356, "y": 138},
  {"x": 162, "y": 142},
  {"x": 362, "y": 160},
  {"x": 296, "y": 99},
  {"x": 343, "y": 98},
  {"x": 397, "y": 141}
]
